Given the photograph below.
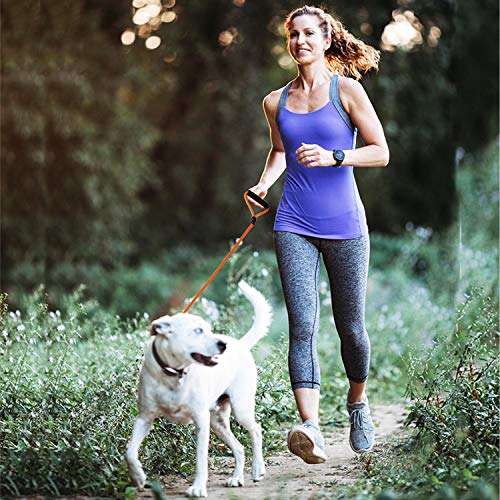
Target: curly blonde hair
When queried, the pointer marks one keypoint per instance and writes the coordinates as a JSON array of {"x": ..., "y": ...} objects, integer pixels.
[{"x": 347, "y": 55}]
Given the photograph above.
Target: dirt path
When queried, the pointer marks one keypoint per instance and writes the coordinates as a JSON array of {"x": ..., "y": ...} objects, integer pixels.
[{"x": 287, "y": 477}]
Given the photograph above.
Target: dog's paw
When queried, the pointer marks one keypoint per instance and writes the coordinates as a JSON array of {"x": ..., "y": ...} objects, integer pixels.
[
  {"x": 196, "y": 491},
  {"x": 234, "y": 482},
  {"x": 138, "y": 477},
  {"x": 258, "y": 472}
]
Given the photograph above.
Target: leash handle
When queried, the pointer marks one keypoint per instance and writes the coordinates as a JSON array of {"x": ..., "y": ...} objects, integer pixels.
[
  {"x": 255, "y": 216},
  {"x": 260, "y": 201}
]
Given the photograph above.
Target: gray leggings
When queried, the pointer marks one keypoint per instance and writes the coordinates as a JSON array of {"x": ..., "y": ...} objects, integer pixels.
[{"x": 346, "y": 262}]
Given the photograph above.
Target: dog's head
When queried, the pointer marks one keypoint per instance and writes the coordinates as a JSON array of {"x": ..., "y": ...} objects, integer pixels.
[{"x": 189, "y": 338}]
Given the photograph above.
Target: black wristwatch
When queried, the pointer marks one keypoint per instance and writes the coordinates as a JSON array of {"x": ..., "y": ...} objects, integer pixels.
[{"x": 338, "y": 156}]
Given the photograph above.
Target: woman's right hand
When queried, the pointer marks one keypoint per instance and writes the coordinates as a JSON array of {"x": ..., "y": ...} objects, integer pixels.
[{"x": 261, "y": 191}]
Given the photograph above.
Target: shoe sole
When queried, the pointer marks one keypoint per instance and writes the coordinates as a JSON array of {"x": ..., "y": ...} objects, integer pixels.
[
  {"x": 302, "y": 444},
  {"x": 361, "y": 451}
]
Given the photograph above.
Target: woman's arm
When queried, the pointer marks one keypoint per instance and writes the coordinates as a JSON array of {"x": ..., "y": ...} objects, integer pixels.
[
  {"x": 363, "y": 116},
  {"x": 276, "y": 162}
]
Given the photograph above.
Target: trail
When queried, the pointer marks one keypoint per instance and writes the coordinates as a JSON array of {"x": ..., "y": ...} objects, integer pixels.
[{"x": 287, "y": 477}]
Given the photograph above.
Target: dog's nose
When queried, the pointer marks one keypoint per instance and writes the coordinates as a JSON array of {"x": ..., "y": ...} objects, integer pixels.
[{"x": 221, "y": 345}]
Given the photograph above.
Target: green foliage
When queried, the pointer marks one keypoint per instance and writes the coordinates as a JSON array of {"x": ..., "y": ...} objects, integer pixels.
[
  {"x": 88, "y": 180},
  {"x": 69, "y": 398},
  {"x": 74, "y": 155},
  {"x": 477, "y": 185},
  {"x": 455, "y": 389},
  {"x": 67, "y": 403}
]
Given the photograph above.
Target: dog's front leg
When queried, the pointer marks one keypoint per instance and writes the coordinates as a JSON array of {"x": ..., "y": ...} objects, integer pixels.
[
  {"x": 199, "y": 487},
  {"x": 142, "y": 426}
]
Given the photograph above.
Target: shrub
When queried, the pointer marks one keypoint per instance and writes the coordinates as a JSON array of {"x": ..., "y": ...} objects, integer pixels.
[{"x": 69, "y": 399}]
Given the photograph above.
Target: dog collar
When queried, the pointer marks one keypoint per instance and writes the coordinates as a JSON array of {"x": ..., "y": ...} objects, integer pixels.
[{"x": 167, "y": 370}]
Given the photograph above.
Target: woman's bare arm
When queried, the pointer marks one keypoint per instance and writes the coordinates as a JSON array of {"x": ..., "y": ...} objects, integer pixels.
[{"x": 275, "y": 162}]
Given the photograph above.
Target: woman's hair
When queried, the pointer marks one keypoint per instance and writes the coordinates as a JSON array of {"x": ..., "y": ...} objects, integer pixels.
[{"x": 347, "y": 55}]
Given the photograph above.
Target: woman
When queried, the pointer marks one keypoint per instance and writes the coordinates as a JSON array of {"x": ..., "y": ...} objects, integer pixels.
[{"x": 313, "y": 123}]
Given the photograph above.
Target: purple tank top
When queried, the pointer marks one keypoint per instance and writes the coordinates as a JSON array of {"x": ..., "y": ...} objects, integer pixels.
[{"x": 320, "y": 201}]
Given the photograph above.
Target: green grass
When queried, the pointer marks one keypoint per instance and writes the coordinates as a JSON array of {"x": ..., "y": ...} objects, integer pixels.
[{"x": 69, "y": 366}]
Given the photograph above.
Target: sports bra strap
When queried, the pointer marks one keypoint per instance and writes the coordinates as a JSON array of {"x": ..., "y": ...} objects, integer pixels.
[
  {"x": 335, "y": 98},
  {"x": 283, "y": 98}
]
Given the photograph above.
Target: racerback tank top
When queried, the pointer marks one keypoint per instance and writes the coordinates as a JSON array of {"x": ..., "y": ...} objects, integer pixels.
[{"x": 319, "y": 201}]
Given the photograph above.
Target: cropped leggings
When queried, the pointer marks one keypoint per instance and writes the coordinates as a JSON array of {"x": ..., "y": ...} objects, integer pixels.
[{"x": 346, "y": 262}]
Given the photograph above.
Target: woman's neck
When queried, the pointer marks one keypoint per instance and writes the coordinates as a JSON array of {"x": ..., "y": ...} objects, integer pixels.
[{"x": 312, "y": 76}]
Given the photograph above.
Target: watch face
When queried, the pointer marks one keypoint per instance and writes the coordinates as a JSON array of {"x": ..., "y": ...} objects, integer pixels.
[{"x": 338, "y": 154}]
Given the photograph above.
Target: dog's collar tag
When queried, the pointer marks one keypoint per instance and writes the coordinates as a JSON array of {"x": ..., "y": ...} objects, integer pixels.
[{"x": 167, "y": 370}]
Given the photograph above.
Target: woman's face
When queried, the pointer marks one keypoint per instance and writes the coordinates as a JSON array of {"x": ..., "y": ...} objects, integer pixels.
[{"x": 306, "y": 43}]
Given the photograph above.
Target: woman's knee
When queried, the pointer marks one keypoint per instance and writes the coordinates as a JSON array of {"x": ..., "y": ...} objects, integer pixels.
[{"x": 352, "y": 331}]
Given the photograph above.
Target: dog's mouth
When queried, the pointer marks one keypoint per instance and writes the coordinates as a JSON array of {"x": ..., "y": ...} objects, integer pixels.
[{"x": 204, "y": 360}]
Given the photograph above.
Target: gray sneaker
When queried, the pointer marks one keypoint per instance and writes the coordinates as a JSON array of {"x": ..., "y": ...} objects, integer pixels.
[
  {"x": 362, "y": 435},
  {"x": 307, "y": 442}
]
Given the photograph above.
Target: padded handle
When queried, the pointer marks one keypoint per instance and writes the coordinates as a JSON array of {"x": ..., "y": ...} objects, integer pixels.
[{"x": 258, "y": 199}]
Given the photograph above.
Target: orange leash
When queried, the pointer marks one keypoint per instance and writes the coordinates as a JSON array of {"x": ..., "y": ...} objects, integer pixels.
[{"x": 255, "y": 216}]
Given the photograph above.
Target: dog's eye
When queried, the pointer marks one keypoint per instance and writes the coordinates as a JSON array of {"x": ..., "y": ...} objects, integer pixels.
[{"x": 198, "y": 330}]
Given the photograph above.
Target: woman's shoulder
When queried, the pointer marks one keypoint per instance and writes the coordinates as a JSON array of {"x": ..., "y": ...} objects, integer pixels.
[
  {"x": 271, "y": 101},
  {"x": 350, "y": 86},
  {"x": 351, "y": 93}
]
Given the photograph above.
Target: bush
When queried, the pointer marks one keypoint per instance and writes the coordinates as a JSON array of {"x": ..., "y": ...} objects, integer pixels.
[
  {"x": 454, "y": 390},
  {"x": 69, "y": 400}
]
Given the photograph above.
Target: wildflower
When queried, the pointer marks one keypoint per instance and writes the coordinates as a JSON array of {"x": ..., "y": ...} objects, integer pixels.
[
  {"x": 13, "y": 316},
  {"x": 146, "y": 316},
  {"x": 256, "y": 254},
  {"x": 5, "y": 333},
  {"x": 18, "y": 313},
  {"x": 210, "y": 309},
  {"x": 58, "y": 313},
  {"x": 52, "y": 316},
  {"x": 129, "y": 337},
  {"x": 61, "y": 328},
  {"x": 21, "y": 328},
  {"x": 265, "y": 272},
  {"x": 423, "y": 232}
]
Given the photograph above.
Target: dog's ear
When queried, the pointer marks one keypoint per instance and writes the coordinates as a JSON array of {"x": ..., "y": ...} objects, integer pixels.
[{"x": 161, "y": 325}]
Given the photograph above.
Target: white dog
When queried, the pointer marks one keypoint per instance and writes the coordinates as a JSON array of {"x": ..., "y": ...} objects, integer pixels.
[{"x": 191, "y": 375}]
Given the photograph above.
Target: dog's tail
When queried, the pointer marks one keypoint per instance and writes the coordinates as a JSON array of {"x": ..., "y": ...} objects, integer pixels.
[{"x": 263, "y": 314}]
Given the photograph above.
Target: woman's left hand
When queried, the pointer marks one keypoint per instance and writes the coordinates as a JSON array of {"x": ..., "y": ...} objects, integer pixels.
[{"x": 312, "y": 155}]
